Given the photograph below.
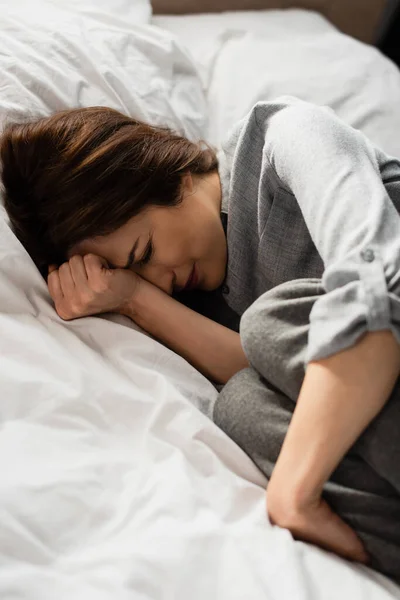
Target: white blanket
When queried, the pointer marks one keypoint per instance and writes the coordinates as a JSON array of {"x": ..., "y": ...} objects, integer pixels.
[
  {"x": 113, "y": 485},
  {"x": 54, "y": 56}
]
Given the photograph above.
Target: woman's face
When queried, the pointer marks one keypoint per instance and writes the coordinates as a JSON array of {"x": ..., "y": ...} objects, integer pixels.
[{"x": 172, "y": 247}]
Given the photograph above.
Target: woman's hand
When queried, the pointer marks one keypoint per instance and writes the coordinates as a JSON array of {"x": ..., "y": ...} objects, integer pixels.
[
  {"x": 313, "y": 521},
  {"x": 86, "y": 286}
]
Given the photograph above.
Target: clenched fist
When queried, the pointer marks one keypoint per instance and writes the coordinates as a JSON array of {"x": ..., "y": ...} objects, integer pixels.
[{"x": 86, "y": 286}]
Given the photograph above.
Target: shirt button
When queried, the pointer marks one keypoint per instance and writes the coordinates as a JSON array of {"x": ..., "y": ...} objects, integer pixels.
[
  {"x": 368, "y": 255},
  {"x": 225, "y": 289}
]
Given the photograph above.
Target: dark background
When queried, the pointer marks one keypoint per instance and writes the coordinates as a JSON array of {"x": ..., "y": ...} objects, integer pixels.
[{"x": 390, "y": 45}]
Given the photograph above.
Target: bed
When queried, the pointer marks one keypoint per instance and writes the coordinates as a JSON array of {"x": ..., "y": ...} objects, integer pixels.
[{"x": 114, "y": 484}]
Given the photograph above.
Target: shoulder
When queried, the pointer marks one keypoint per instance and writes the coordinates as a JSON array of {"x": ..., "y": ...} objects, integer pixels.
[
  {"x": 285, "y": 113},
  {"x": 290, "y": 112}
]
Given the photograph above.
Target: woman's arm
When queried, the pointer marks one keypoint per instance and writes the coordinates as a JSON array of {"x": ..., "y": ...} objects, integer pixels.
[
  {"x": 340, "y": 396},
  {"x": 213, "y": 349},
  {"x": 333, "y": 173},
  {"x": 86, "y": 286},
  {"x": 354, "y": 358}
]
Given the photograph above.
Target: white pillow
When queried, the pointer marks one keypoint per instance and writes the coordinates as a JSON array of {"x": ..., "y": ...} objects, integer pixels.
[
  {"x": 56, "y": 55},
  {"x": 298, "y": 52}
]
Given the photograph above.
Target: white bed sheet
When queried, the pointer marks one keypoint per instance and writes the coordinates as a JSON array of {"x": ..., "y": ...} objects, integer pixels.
[{"x": 114, "y": 486}]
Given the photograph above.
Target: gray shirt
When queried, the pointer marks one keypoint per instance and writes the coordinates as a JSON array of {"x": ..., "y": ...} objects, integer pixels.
[{"x": 309, "y": 196}]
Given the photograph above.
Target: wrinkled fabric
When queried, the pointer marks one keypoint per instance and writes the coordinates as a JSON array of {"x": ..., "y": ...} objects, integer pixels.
[{"x": 309, "y": 196}]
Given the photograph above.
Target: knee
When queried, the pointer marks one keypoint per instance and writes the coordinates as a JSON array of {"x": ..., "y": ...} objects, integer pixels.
[
  {"x": 255, "y": 416},
  {"x": 231, "y": 412},
  {"x": 274, "y": 330},
  {"x": 286, "y": 305}
]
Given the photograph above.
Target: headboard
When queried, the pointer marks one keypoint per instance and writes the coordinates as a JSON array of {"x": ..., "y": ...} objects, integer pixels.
[{"x": 363, "y": 19}]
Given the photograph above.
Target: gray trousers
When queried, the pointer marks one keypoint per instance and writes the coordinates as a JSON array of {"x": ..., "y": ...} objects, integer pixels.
[{"x": 255, "y": 407}]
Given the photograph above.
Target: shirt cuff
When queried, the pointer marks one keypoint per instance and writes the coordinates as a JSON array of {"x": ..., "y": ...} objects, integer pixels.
[{"x": 357, "y": 300}]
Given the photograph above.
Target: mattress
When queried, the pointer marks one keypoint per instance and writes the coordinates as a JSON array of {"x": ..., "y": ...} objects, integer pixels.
[{"x": 114, "y": 484}]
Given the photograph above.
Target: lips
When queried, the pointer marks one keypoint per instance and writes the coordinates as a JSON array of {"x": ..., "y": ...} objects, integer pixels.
[{"x": 192, "y": 281}]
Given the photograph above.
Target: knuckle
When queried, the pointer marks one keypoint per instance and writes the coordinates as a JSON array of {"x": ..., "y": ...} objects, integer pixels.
[
  {"x": 69, "y": 310},
  {"x": 64, "y": 314},
  {"x": 100, "y": 286},
  {"x": 76, "y": 308},
  {"x": 90, "y": 258},
  {"x": 65, "y": 317},
  {"x": 86, "y": 299},
  {"x": 63, "y": 267},
  {"x": 76, "y": 258}
]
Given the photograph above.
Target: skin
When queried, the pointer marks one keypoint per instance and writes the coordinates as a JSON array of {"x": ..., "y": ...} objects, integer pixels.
[{"x": 192, "y": 233}]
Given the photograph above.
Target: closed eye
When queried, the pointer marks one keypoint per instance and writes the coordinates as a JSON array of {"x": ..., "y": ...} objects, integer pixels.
[{"x": 147, "y": 255}]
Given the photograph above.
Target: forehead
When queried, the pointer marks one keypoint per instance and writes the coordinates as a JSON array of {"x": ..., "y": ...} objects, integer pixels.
[{"x": 102, "y": 245}]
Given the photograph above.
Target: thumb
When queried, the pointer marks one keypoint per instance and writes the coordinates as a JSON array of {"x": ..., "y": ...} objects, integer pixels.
[{"x": 96, "y": 263}]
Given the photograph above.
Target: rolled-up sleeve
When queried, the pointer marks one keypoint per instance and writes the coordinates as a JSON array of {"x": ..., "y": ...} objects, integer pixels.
[{"x": 332, "y": 170}]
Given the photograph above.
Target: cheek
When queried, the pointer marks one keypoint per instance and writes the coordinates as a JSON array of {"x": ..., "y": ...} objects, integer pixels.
[
  {"x": 173, "y": 251},
  {"x": 208, "y": 242}
]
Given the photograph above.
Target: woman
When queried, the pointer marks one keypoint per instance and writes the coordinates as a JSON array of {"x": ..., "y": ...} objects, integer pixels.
[{"x": 128, "y": 217}]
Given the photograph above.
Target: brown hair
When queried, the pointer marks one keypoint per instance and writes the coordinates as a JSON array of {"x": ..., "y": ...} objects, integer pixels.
[{"x": 85, "y": 172}]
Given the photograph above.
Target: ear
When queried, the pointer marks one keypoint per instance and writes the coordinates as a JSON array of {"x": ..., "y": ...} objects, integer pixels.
[{"x": 187, "y": 183}]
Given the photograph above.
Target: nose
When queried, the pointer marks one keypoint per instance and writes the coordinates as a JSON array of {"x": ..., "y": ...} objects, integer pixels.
[{"x": 159, "y": 275}]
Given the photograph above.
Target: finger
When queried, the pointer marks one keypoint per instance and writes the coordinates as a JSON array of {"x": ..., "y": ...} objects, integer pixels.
[
  {"x": 326, "y": 529},
  {"x": 66, "y": 281},
  {"x": 78, "y": 271},
  {"x": 52, "y": 268},
  {"x": 94, "y": 265},
  {"x": 343, "y": 539},
  {"x": 53, "y": 283}
]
